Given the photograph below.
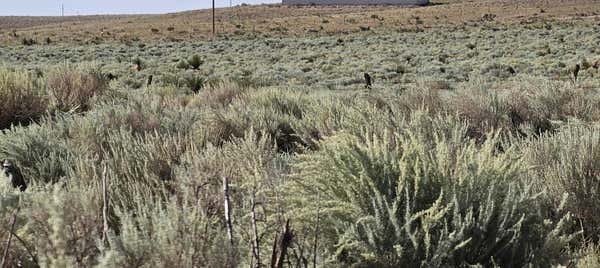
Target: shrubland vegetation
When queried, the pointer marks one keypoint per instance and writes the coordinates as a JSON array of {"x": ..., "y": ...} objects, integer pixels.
[{"x": 476, "y": 147}]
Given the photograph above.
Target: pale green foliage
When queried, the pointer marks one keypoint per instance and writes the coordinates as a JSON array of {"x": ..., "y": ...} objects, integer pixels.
[
  {"x": 253, "y": 168},
  {"x": 590, "y": 258},
  {"x": 195, "y": 61},
  {"x": 439, "y": 165},
  {"x": 167, "y": 234},
  {"x": 566, "y": 163},
  {"x": 40, "y": 151},
  {"x": 60, "y": 226},
  {"x": 420, "y": 198}
]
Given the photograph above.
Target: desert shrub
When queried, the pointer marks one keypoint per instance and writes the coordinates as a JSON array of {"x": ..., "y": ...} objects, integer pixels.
[
  {"x": 255, "y": 173},
  {"x": 264, "y": 110},
  {"x": 524, "y": 106},
  {"x": 482, "y": 107},
  {"x": 143, "y": 113},
  {"x": 194, "y": 82},
  {"x": 423, "y": 97},
  {"x": 410, "y": 200},
  {"x": 168, "y": 234},
  {"x": 64, "y": 225},
  {"x": 170, "y": 79},
  {"x": 136, "y": 162},
  {"x": 57, "y": 226},
  {"x": 325, "y": 114},
  {"x": 9, "y": 202},
  {"x": 71, "y": 88},
  {"x": 590, "y": 258},
  {"x": 40, "y": 151},
  {"x": 567, "y": 164},
  {"x": 183, "y": 64},
  {"x": 21, "y": 98},
  {"x": 239, "y": 160},
  {"x": 291, "y": 104},
  {"x": 218, "y": 127},
  {"x": 247, "y": 80},
  {"x": 195, "y": 61},
  {"x": 555, "y": 100},
  {"x": 220, "y": 95}
]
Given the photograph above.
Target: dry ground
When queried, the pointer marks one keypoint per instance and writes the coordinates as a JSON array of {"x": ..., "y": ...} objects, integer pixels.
[{"x": 274, "y": 20}]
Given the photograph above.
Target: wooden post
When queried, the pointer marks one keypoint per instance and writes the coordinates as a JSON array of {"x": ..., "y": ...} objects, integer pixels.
[
  {"x": 227, "y": 210},
  {"x": 213, "y": 18}
]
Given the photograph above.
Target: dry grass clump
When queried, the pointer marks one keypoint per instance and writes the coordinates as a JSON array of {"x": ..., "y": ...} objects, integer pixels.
[
  {"x": 590, "y": 257},
  {"x": 22, "y": 99},
  {"x": 72, "y": 88},
  {"x": 566, "y": 164},
  {"x": 220, "y": 96}
]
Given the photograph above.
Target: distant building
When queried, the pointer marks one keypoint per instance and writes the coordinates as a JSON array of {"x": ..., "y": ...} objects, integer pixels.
[{"x": 356, "y": 2}]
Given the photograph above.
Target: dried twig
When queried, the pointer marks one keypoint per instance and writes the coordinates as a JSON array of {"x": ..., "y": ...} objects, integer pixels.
[
  {"x": 286, "y": 240},
  {"x": 315, "y": 246},
  {"x": 10, "y": 235},
  {"x": 274, "y": 251},
  {"x": 105, "y": 204},
  {"x": 256, "y": 244},
  {"x": 29, "y": 251}
]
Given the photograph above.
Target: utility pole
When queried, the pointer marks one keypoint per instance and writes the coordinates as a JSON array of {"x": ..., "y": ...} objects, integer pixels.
[
  {"x": 213, "y": 17},
  {"x": 62, "y": 9}
]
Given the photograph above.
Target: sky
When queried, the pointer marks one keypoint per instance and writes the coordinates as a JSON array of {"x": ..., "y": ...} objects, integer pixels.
[{"x": 89, "y": 7}]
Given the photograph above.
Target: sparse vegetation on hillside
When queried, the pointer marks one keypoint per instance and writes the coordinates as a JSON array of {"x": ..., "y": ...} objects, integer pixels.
[{"x": 474, "y": 147}]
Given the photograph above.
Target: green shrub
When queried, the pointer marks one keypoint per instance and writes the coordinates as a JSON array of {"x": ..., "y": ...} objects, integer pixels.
[
  {"x": 183, "y": 64},
  {"x": 21, "y": 98},
  {"x": 57, "y": 226},
  {"x": 40, "y": 151},
  {"x": 194, "y": 82},
  {"x": 168, "y": 234},
  {"x": 567, "y": 163},
  {"x": 194, "y": 62},
  {"x": 254, "y": 170},
  {"x": 423, "y": 199},
  {"x": 70, "y": 222}
]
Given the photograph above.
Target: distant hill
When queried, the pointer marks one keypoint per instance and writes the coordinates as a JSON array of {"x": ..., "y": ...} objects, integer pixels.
[{"x": 282, "y": 20}]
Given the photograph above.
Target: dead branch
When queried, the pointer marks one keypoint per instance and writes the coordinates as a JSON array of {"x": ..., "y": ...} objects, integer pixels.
[
  {"x": 105, "y": 204},
  {"x": 286, "y": 240},
  {"x": 10, "y": 234},
  {"x": 256, "y": 244}
]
